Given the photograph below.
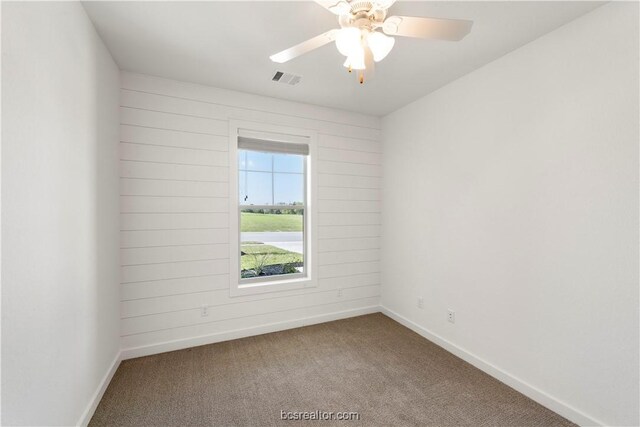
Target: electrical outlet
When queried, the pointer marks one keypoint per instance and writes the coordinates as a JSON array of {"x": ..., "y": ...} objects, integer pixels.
[
  {"x": 339, "y": 293},
  {"x": 451, "y": 316},
  {"x": 204, "y": 311},
  {"x": 420, "y": 302}
]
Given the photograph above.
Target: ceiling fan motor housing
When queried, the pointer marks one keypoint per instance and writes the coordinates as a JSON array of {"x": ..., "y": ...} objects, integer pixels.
[
  {"x": 363, "y": 15},
  {"x": 361, "y": 6}
]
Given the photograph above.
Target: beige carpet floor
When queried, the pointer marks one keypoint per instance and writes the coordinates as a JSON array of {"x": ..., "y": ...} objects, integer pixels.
[{"x": 368, "y": 364}]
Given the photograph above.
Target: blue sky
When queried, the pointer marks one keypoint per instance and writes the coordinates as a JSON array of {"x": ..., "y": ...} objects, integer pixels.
[{"x": 268, "y": 178}]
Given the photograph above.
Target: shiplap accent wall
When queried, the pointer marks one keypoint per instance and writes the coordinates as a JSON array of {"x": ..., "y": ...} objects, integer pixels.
[{"x": 175, "y": 215}]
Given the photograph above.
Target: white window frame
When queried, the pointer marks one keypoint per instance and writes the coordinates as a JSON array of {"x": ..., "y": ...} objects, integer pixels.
[{"x": 279, "y": 283}]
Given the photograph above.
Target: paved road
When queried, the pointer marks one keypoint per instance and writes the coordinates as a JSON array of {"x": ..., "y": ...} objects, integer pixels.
[{"x": 287, "y": 240}]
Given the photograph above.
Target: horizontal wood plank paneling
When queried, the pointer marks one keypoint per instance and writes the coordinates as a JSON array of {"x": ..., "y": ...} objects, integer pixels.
[
  {"x": 357, "y": 157},
  {"x": 348, "y": 257},
  {"x": 170, "y": 121},
  {"x": 348, "y": 231},
  {"x": 174, "y": 189},
  {"x": 168, "y": 188},
  {"x": 153, "y": 204},
  {"x": 172, "y": 221},
  {"x": 356, "y": 280},
  {"x": 349, "y": 181},
  {"x": 350, "y": 169},
  {"x": 348, "y": 206},
  {"x": 325, "y": 218},
  {"x": 167, "y": 171},
  {"x": 133, "y": 256},
  {"x": 336, "y": 193},
  {"x": 213, "y": 298},
  {"x": 173, "y": 319},
  {"x": 169, "y": 138},
  {"x": 350, "y": 244},
  {"x": 180, "y": 237},
  {"x": 338, "y": 270},
  {"x": 266, "y": 322},
  {"x": 177, "y": 155},
  {"x": 351, "y": 144},
  {"x": 173, "y": 270},
  {"x": 185, "y": 285},
  {"x": 171, "y": 104},
  {"x": 168, "y": 287}
]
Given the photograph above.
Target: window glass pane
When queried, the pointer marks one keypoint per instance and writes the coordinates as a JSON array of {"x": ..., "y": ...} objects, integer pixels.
[
  {"x": 257, "y": 161},
  {"x": 271, "y": 242},
  {"x": 242, "y": 187},
  {"x": 255, "y": 188},
  {"x": 288, "y": 188},
  {"x": 288, "y": 163},
  {"x": 242, "y": 159}
]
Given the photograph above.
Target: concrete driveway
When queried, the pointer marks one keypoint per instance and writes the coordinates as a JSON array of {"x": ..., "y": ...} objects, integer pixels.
[{"x": 287, "y": 240}]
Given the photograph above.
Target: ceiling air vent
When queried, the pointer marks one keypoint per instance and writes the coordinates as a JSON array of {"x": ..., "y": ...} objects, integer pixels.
[{"x": 286, "y": 78}]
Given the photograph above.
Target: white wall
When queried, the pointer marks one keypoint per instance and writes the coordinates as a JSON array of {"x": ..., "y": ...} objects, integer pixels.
[
  {"x": 511, "y": 197},
  {"x": 175, "y": 216},
  {"x": 60, "y": 213}
]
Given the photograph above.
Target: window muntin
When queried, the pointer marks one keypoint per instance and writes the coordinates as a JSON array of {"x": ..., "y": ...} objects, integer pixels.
[{"x": 271, "y": 207}]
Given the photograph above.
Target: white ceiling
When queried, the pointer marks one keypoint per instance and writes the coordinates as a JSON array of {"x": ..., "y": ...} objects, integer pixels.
[{"x": 227, "y": 45}]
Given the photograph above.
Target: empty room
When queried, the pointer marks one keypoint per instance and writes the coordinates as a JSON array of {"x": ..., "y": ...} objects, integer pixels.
[{"x": 331, "y": 212}]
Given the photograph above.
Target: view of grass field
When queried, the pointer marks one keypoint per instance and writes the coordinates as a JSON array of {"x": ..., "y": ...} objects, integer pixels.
[
  {"x": 257, "y": 222},
  {"x": 259, "y": 258}
]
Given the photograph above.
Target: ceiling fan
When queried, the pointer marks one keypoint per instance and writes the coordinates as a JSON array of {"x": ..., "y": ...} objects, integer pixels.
[{"x": 360, "y": 40}]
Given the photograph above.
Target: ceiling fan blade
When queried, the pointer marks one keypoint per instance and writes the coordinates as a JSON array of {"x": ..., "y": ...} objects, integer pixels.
[
  {"x": 383, "y": 4},
  {"x": 304, "y": 47},
  {"x": 337, "y": 7},
  {"x": 427, "y": 28}
]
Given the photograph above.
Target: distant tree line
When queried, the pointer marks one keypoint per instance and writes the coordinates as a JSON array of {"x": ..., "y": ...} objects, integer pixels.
[{"x": 284, "y": 210}]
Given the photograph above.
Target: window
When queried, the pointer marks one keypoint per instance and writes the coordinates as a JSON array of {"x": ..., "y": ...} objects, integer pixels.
[
  {"x": 273, "y": 224},
  {"x": 272, "y": 202}
]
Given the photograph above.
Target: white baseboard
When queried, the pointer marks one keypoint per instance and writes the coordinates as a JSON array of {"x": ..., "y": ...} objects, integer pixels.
[
  {"x": 130, "y": 353},
  {"x": 97, "y": 396},
  {"x": 565, "y": 410}
]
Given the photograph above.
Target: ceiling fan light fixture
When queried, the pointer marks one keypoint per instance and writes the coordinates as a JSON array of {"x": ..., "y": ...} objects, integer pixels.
[
  {"x": 356, "y": 61},
  {"x": 380, "y": 45},
  {"x": 349, "y": 41}
]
